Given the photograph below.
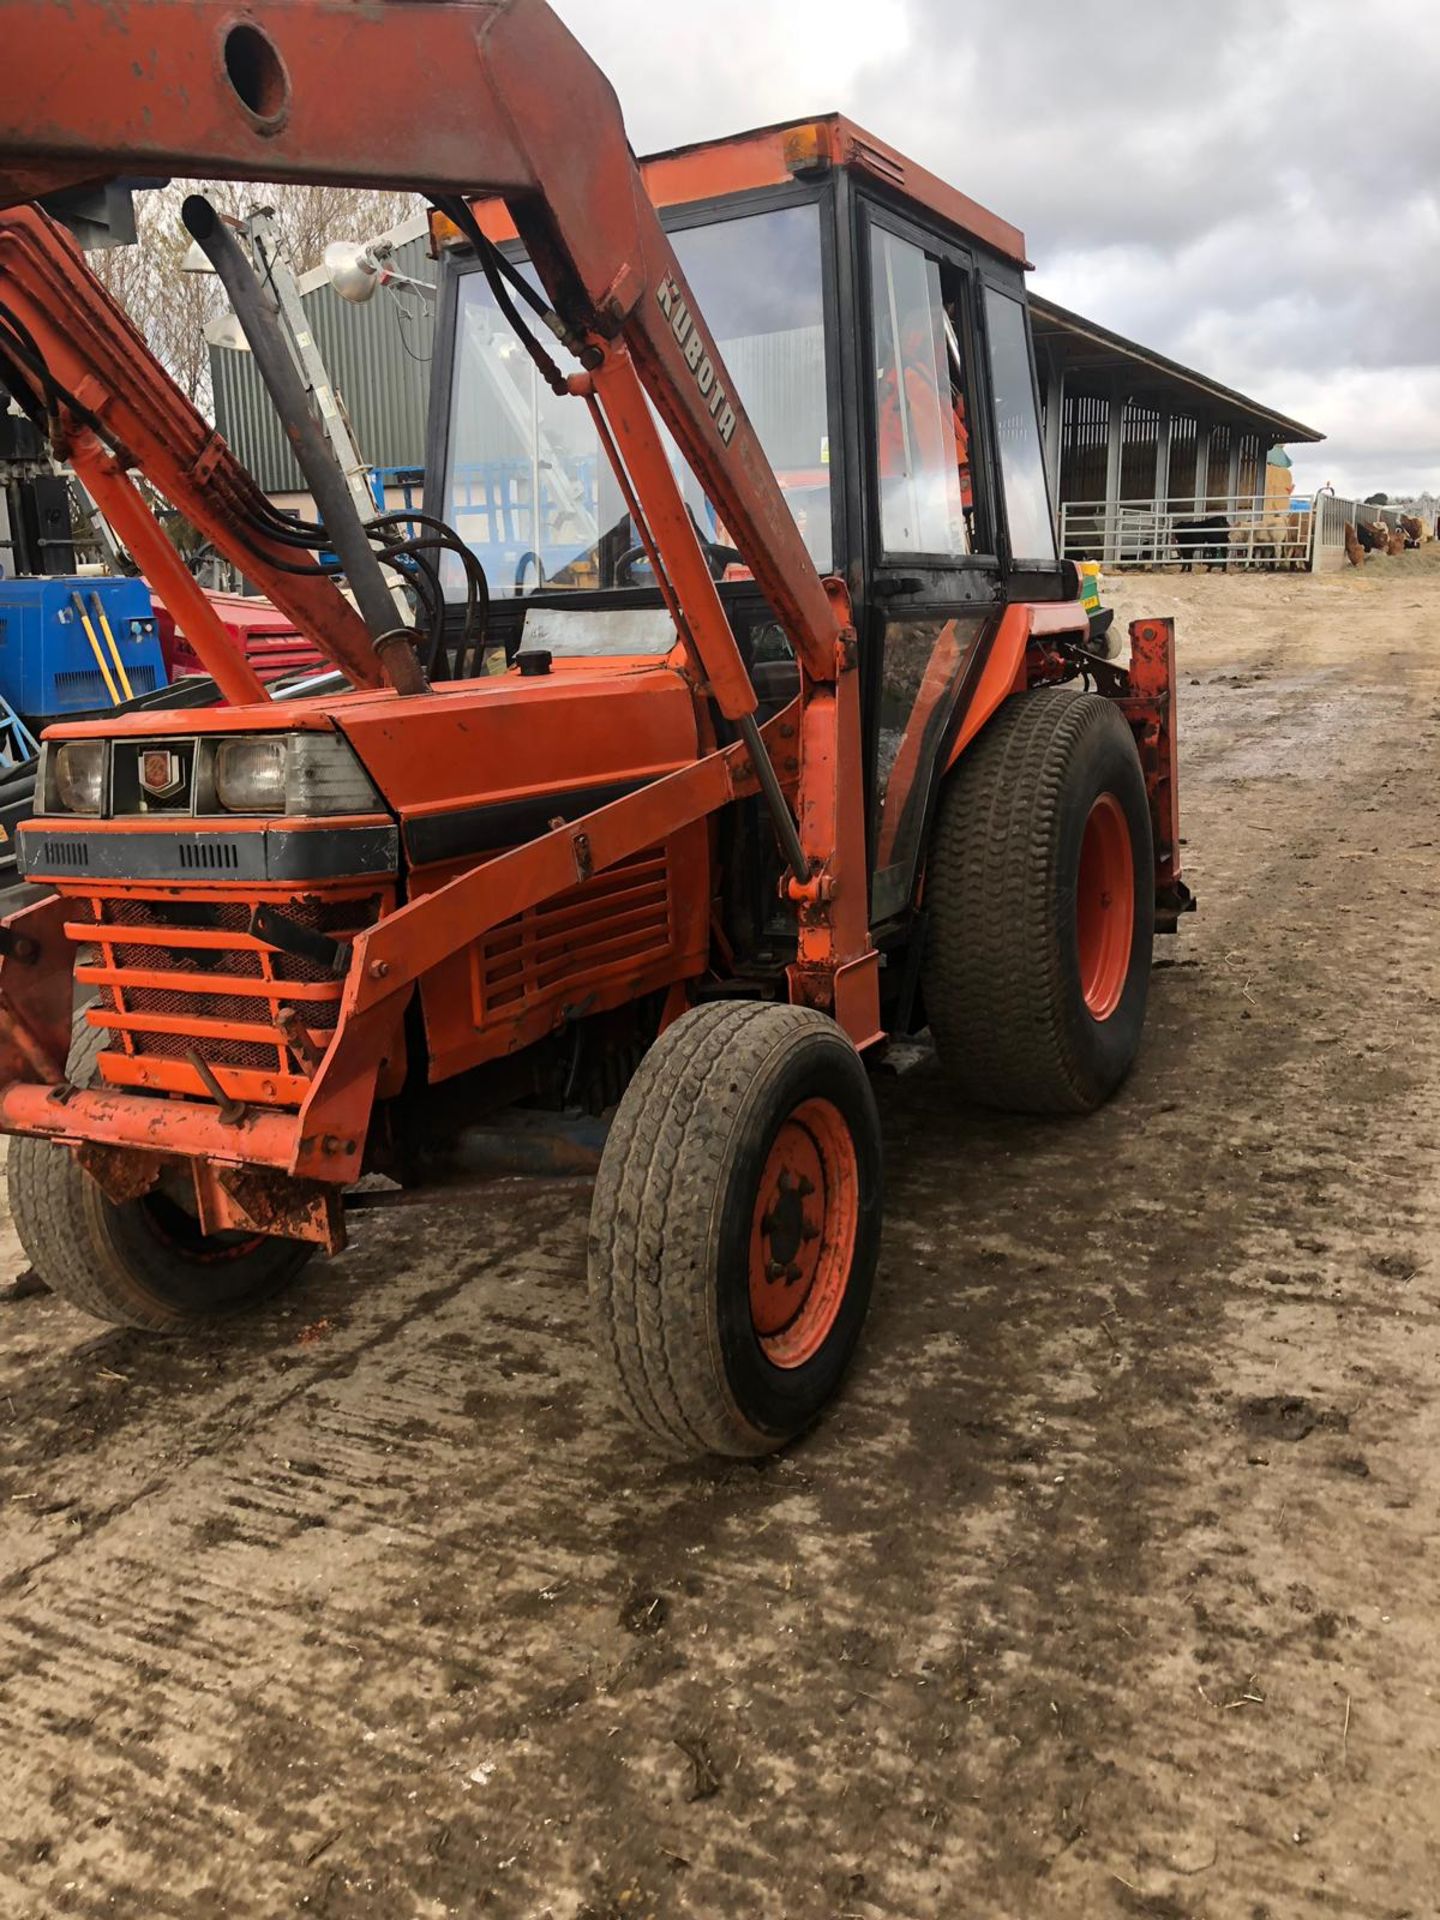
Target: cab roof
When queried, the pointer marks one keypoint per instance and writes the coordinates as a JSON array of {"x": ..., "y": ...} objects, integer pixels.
[{"x": 772, "y": 156}]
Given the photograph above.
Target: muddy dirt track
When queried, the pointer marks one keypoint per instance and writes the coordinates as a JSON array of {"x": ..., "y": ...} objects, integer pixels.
[{"x": 1110, "y": 1587}]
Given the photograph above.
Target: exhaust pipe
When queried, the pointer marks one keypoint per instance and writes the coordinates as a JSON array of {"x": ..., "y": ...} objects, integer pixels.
[{"x": 313, "y": 453}]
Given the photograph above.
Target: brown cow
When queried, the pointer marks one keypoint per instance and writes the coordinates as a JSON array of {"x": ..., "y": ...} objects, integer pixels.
[{"x": 1354, "y": 552}]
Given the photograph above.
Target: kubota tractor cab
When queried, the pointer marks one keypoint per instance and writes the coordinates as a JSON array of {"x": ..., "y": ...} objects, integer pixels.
[{"x": 748, "y": 718}]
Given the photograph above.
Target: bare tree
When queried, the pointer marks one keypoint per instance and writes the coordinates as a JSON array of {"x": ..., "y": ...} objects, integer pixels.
[{"x": 172, "y": 307}]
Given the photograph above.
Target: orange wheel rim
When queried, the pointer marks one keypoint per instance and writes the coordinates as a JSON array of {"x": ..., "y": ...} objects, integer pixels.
[
  {"x": 1105, "y": 906},
  {"x": 802, "y": 1235}
]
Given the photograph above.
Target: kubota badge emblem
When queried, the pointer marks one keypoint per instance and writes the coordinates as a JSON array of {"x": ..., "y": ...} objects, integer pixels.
[
  {"x": 676, "y": 310},
  {"x": 161, "y": 772}
]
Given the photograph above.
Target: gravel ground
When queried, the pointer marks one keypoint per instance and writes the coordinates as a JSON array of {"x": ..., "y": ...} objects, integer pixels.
[{"x": 1109, "y": 1587}]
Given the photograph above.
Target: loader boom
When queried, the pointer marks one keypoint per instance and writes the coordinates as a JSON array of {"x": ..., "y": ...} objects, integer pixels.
[
  {"x": 470, "y": 96},
  {"x": 93, "y": 352}
]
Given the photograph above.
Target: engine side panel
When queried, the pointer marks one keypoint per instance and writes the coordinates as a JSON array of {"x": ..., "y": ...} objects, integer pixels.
[{"x": 471, "y": 775}]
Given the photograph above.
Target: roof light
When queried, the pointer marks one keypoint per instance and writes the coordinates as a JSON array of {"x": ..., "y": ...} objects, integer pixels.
[
  {"x": 444, "y": 232},
  {"x": 807, "y": 148}
]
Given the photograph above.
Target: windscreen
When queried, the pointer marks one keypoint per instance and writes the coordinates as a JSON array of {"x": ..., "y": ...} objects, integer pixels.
[{"x": 526, "y": 484}]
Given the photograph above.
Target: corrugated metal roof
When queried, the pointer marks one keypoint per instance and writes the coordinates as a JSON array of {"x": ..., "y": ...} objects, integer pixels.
[
  {"x": 1115, "y": 352},
  {"x": 378, "y": 356}
]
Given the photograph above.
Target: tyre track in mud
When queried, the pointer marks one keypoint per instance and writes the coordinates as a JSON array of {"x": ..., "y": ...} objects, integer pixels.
[{"x": 1077, "y": 1603}]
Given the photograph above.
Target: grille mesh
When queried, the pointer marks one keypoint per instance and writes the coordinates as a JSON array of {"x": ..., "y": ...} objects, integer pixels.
[{"x": 147, "y": 1000}]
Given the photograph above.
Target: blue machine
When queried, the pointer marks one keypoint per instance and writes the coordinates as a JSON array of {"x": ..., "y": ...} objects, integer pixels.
[{"x": 51, "y": 657}]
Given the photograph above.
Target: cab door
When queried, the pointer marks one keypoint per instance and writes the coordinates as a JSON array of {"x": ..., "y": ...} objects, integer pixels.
[{"x": 931, "y": 585}]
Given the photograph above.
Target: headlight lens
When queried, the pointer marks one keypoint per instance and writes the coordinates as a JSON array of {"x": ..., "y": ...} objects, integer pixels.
[
  {"x": 80, "y": 775},
  {"x": 250, "y": 776}
]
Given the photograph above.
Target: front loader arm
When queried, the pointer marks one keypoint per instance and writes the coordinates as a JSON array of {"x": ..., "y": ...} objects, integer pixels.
[
  {"x": 439, "y": 96},
  {"x": 93, "y": 353},
  {"x": 477, "y": 97}
]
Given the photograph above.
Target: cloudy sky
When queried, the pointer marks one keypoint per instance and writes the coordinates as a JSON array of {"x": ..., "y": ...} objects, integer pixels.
[{"x": 1254, "y": 190}]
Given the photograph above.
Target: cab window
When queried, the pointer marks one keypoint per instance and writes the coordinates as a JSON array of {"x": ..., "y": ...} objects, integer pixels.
[
  {"x": 922, "y": 446},
  {"x": 1017, "y": 430},
  {"x": 525, "y": 481}
]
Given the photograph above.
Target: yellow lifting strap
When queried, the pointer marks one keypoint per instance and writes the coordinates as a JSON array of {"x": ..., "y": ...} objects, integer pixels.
[
  {"x": 97, "y": 607},
  {"x": 93, "y": 638}
]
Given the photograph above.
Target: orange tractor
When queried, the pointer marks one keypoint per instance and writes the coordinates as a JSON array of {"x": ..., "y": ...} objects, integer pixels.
[{"x": 745, "y": 714}]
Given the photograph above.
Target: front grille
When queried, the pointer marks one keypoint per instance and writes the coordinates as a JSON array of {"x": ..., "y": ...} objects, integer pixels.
[
  {"x": 209, "y": 856},
  {"x": 70, "y": 853},
  {"x": 175, "y": 975}
]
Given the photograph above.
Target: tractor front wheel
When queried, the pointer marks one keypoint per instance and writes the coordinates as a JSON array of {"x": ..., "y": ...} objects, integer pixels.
[
  {"x": 735, "y": 1227},
  {"x": 141, "y": 1264}
]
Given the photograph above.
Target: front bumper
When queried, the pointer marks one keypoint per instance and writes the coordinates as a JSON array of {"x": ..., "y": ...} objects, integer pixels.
[
  {"x": 286, "y": 853},
  {"x": 257, "y": 1168}
]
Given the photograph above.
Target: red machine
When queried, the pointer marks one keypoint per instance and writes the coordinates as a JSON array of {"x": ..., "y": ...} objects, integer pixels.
[
  {"x": 271, "y": 644},
  {"x": 788, "y": 751}
]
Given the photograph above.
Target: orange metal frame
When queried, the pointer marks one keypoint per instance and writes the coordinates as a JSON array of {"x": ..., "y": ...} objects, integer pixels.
[
  {"x": 94, "y": 353},
  {"x": 771, "y": 157},
  {"x": 326, "y": 1140}
]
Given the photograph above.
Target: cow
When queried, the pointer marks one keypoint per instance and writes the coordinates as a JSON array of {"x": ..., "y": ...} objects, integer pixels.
[{"x": 1206, "y": 540}]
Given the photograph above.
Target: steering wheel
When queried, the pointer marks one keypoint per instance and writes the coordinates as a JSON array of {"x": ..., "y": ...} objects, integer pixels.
[
  {"x": 624, "y": 564},
  {"x": 717, "y": 556}
]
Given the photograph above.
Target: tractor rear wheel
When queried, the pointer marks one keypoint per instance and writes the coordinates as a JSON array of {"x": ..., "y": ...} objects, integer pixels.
[
  {"x": 1041, "y": 900},
  {"x": 142, "y": 1264},
  {"x": 735, "y": 1227}
]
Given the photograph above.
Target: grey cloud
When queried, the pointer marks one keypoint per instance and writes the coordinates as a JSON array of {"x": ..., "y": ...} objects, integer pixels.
[{"x": 1255, "y": 189}]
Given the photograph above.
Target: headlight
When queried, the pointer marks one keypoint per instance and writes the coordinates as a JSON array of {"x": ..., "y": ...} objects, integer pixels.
[
  {"x": 250, "y": 775},
  {"x": 325, "y": 777},
  {"x": 79, "y": 775},
  {"x": 303, "y": 774}
]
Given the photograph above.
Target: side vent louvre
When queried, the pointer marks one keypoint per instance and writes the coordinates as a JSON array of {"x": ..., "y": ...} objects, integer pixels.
[
  {"x": 69, "y": 853},
  {"x": 209, "y": 856},
  {"x": 81, "y": 689}
]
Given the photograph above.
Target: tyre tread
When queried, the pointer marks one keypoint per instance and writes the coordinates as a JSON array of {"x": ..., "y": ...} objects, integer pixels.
[
  {"x": 994, "y": 980},
  {"x": 59, "y": 1218},
  {"x": 665, "y": 1160}
]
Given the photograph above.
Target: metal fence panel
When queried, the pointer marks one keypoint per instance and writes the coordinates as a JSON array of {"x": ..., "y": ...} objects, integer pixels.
[{"x": 1243, "y": 531}]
